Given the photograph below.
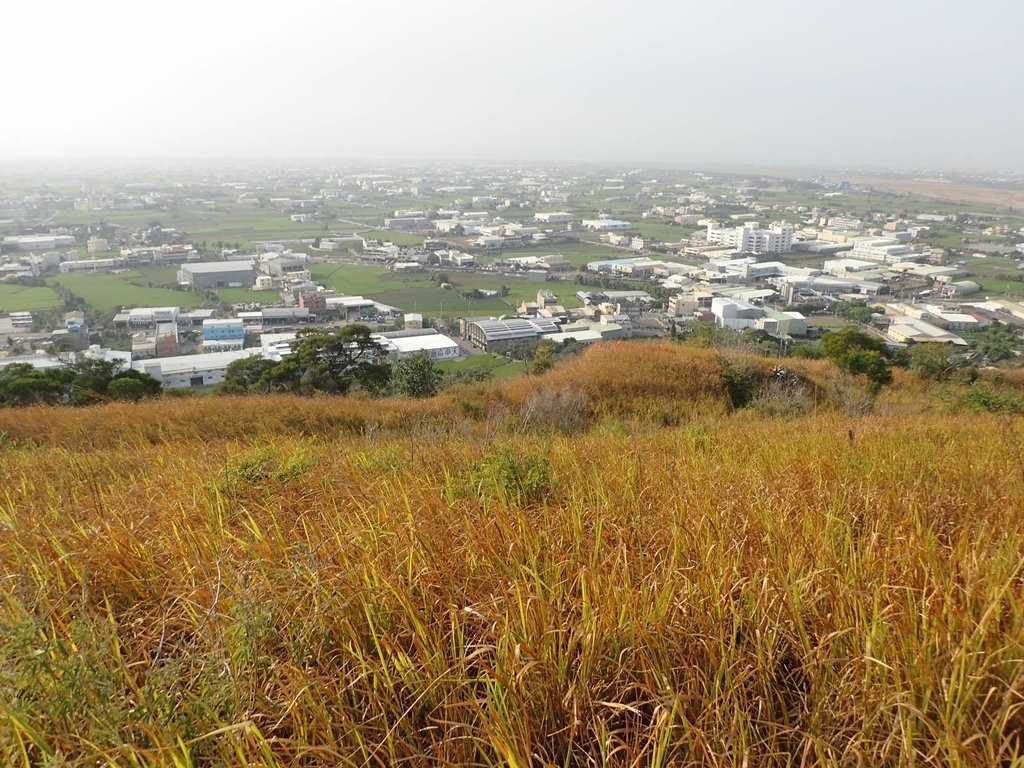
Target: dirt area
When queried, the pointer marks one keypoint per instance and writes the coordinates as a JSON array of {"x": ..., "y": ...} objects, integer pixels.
[{"x": 953, "y": 192}]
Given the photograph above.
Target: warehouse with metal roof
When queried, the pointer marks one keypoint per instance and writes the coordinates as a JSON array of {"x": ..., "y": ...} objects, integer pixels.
[{"x": 495, "y": 335}]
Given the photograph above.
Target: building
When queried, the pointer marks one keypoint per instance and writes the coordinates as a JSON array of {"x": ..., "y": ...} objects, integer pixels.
[
  {"x": 97, "y": 245},
  {"x": 218, "y": 274},
  {"x": 286, "y": 267},
  {"x": 223, "y": 335},
  {"x": 405, "y": 222},
  {"x": 733, "y": 314},
  {"x": 911, "y": 329},
  {"x": 456, "y": 259},
  {"x": 276, "y": 316},
  {"x": 494, "y": 335},
  {"x": 844, "y": 222},
  {"x": 751, "y": 238},
  {"x": 314, "y": 301},
  {"x": 604, "y": 225},
  {"x": 553, "y": 217},
  {"x": 781, "y": 323},
  {"x": 146, "y": 317},
  {"x": 435, "y": 344},
  {"x": 884, "y": 250},
  {"x": 843, "y": 267},
  {"x": 37, "y": 242},
  {"x": 192, "y": 370},
  {"x": 960, "y": 288}
]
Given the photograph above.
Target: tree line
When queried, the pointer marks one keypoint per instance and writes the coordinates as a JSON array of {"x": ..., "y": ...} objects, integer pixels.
[
  {"x": 346, "y": 361},
  {"x": 82, "y": 382}
]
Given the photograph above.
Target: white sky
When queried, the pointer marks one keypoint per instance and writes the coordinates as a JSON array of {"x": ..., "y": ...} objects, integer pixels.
[{"x": 927, "y": 83}]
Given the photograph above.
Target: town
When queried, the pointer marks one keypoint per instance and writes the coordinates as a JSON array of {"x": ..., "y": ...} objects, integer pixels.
[{"x": 180, "y": 275}]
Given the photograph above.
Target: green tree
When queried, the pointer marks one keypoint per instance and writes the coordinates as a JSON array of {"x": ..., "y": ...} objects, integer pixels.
[
  {"x": 417, "y": 376},
  {"x": 22, "y": 384},
  {"x": 932, "y": 361},
  {"x": 997, "y": 342},
  {"x": 246, "y": 375},
  {"x": 856, "y": 352},
  {"x": 853, "y": 311},
  {"x": 336, "y": 361},
  {"x": 544, "y": 355},
  {"x": 91, "y": 379},
  {"x": 135, "y": 383},
  {"x": 126, "y": 389}
]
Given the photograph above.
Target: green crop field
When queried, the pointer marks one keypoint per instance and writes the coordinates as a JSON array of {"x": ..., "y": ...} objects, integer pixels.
[
  {"x": 663, "y": 232},
  {"x": 499, "y": 367},
  {"x": 418, "y": 293},
  {"x": 244, "y": 296},
  {"x": 22, "y": 298},
  {"x": 244, "y": 226},
  {"x": 106, "y": 292}
]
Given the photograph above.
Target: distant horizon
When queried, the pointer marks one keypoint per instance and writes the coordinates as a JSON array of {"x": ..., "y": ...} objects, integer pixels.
[{"x": 723, "y": 166}]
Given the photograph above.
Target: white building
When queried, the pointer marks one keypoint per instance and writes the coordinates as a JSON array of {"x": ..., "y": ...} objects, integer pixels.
[
  {"x": 192, "y": 370},
  {"x": 844, "y": 222},
  {"x": 39, "y": 242},
  {"x": 554, "y": 217},
  {"x": 604, "y": 225},
  {"x": 885, "y": 250},
  {"x": 97, "y": 245},
  {"x": 751, "y": 238},
  {"x": 733, "y": 314},
  {"x": 436, "y": 345},
  {"x": 843, "y": 267}
]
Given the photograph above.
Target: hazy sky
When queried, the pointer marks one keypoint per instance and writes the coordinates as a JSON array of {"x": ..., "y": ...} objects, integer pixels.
[{"x": 881, "y": 82}]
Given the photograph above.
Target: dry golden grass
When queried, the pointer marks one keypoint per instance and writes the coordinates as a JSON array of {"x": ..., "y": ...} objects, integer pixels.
[{"x": 276, "y": 581}]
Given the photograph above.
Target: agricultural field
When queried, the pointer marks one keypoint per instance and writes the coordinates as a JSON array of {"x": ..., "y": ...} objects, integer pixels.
[
  {"x": 108, "y": 292},
  {"x": 497, "y": 367},
  {"x": 244, "y": 296},
  {"x": 233, "y": 224},
  {"x": 665, "y": 233},
  {"x": 997, "y": 275},
  {"x": 419, "y": 293},
  {"x": 22, "y": 298},
  {"x": 607, "y": 564}
]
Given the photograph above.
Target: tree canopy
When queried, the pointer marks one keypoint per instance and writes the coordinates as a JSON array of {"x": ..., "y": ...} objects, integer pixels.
[
  {"x": 858, "y": 353},
  {"x": 77, "y": 383},
  {"x": 417, "y": 376},
  {"x": 335, "y": 362}
]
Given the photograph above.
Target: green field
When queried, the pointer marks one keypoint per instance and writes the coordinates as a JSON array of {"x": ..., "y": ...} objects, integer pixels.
[
  {"x": 418, "y": 293},
  {"x": 499, "y": 367},
  {"x": 665, "y": 233},
  {"x": 244, "y": 226},
  {"x": 22, "y": 298},
  {"x": 106, "y": 292},
  {"x": 244, "y": 295}
]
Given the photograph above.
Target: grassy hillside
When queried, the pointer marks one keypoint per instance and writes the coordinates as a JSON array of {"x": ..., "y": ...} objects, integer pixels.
[{"x": 609, "y": 564}]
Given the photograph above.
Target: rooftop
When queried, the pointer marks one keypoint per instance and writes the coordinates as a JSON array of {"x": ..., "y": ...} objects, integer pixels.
[{"x": 200, "y": 267}]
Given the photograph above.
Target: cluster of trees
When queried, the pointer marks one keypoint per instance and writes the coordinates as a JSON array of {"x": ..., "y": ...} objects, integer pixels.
[
  {"x": 857, "y": 353},
  {"x": 78, "y": 383},
  {"x": 345, "y": 361}
]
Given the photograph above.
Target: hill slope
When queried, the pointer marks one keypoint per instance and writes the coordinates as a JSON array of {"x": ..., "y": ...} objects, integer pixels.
[{"x": 638, "y": 575}]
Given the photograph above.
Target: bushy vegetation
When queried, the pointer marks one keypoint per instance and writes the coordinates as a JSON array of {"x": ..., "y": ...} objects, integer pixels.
[
  {"x": 76, "y": 383},
  {"x": 284, "y": 580}
]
